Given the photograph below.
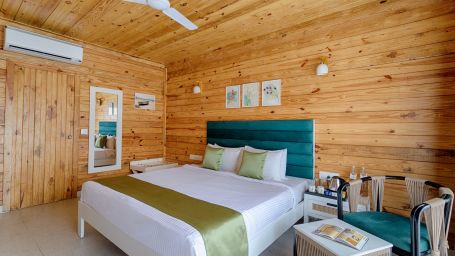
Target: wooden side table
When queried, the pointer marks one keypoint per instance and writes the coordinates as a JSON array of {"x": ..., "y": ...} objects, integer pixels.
[{"x": 309, "y": 244}]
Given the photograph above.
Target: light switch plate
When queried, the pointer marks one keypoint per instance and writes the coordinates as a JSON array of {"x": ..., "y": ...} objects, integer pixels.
[
  {"x": 196, "y": 157},
  {"x": 325, "y": 174},
  {"x": 84, "y": 131}
]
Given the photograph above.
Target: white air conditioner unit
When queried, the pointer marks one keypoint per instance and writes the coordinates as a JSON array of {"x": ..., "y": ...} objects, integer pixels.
[{"x": 25, "y": 42}]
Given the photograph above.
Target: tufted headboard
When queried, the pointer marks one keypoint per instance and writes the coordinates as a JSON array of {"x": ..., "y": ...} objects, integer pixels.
[
  {"x": 295, "y": 135},
  {"x": 108, "y": 128}
]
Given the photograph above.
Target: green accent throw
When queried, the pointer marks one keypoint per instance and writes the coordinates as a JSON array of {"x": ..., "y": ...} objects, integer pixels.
[
  {"x": 253, "y": 165},
  {"x": 223, "y": 229},
  {"x": 101, "y": 141},
  {"x": 213, "y": 158}
]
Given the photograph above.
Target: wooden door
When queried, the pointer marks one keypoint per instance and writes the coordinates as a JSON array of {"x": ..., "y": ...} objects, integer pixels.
[{"x": 39, "y": 142}]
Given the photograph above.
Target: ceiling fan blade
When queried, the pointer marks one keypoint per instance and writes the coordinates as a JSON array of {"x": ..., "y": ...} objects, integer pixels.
[
  {"x": 137, "y": 1},
  {"x": 177, "y": 16}
]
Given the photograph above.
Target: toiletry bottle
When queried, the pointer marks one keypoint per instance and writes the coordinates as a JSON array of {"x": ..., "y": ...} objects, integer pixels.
[{"x": 353, "y": 174}]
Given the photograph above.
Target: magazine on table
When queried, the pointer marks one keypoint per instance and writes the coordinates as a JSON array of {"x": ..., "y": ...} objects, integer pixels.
[{"x": 345, "y": 236}]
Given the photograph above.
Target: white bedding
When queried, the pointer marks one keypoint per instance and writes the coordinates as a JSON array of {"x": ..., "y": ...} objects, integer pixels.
[
  {"x": 104, "y": 156},
  {"x": 260, "y": 202},
  {"x": 104, "y": 153}
]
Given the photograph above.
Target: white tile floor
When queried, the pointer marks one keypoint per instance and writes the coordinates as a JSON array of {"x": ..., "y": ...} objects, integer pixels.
[{"x": 49, "y": 230}]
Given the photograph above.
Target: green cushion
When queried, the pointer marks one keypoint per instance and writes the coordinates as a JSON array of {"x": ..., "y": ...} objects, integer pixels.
[
  {"x": 393, "y": 228},
  {"x": 212, "y": 158},
  {"x": 253, "y": 165},
  {"x": 101, "y": 141}
]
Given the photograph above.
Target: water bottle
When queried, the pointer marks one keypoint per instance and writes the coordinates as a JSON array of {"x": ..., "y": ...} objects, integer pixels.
[
  {"x": 363, "y": 172},
  {"x": 353, "y": 174}
]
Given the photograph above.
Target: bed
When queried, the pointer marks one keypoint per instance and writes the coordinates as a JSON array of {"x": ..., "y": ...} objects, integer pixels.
[
  {"x": 268, "y": 208},
  {"x": 106, "y": 156}
]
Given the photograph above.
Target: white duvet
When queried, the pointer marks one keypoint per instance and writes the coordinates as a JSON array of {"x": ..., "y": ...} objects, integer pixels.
[{"x": 259, "y": 202}]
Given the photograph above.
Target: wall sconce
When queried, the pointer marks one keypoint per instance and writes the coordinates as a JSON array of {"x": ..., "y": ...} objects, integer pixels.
[
  {"x": 197, "y": 87},
  {"x": 100, "y": 101},
  {"x": 322, "y": 68}
]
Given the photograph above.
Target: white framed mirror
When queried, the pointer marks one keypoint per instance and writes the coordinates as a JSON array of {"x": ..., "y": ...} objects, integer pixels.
[{"x": 105, "y": 130}]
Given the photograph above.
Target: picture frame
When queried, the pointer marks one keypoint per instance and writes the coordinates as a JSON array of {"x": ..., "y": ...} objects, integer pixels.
[
  {"x": 144, "y": 101},
  {"x": 250, "y": 95},
  {"x": 233, "y": 96},
  {"x": 271, "y": 93}
]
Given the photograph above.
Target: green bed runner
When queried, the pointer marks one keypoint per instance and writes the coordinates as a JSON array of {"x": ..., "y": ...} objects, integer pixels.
[{"x": 223, "y": 230}]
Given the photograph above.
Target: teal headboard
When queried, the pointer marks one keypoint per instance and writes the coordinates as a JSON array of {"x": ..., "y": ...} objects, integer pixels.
[
  {"x": 108, "y": 128},
  {"x": 295, "y": 135}
]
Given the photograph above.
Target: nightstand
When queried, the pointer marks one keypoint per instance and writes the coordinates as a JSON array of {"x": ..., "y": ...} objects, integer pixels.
[
  {"x": 150, "y": 165},
  {"x": 320, "y": 207}
]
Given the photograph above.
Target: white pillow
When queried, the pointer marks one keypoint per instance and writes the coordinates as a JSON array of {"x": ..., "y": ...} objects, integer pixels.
[
  {"x": 110, "y": 143},
  {"x": 231, "y": 158},
  {"x": 275, "y": 163}
]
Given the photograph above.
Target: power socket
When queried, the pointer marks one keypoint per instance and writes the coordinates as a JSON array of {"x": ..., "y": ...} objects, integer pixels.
[
  {"x": 196, "y": 157},
  {"x": 325, "y": 174}
]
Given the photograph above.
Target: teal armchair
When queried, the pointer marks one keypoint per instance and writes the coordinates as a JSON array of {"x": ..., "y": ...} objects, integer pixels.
[{"x": 408, "y": 235}]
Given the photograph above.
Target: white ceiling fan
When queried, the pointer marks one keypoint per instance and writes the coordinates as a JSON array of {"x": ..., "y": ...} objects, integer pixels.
[{"x": 165, "y": 7}]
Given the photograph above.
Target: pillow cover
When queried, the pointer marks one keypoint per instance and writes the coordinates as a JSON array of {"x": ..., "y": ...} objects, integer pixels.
[
  {"x": 232, "y": 158},
  {"x": 275, "y": 163},
  {"x": 212, "y": 158},
  {"x": 253, "y": 165},
  {"x": 110, "y": 142},
  {"x": 101, "y": 141}
]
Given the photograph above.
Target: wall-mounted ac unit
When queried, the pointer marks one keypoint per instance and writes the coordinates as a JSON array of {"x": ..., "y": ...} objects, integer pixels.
[{"x": 25, "y": 42}]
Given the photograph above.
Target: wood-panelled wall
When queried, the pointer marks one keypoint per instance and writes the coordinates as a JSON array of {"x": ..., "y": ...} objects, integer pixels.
[
  {"x": 28, "y": 184},
  {"x": 388, "y": 102}
]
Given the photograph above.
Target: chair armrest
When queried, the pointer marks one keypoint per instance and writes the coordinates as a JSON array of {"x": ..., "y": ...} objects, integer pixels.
[
  {"x": 344, "y": 185},
  {"x": 416, "y": 215}
]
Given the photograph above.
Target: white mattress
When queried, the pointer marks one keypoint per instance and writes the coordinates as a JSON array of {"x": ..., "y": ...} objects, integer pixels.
[{"x": 259, "y": 202}]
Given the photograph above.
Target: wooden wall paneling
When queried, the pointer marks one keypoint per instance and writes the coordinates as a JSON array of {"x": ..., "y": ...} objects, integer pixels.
[
  {"x": 69, "y": 138},
  {"x": 10, "y": 132},
  {"x": 76, "y": 129},
  {"x": 40, "y": 137},
  {"x": 62, "y": 176},
  {"x": 387, "y": 103},
  {"x": 19, "y": 76}
]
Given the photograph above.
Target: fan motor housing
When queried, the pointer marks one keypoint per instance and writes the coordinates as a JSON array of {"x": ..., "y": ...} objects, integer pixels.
[{"x": 159, "y": 4}]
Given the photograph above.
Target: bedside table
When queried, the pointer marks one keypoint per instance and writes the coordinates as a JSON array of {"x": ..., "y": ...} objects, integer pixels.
[
  {"x": 150, "y": 165},
  {"x": 320, "y": 207}
]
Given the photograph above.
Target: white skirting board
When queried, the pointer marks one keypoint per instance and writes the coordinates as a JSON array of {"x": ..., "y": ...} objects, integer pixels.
[{"x": 135, "y": 248}]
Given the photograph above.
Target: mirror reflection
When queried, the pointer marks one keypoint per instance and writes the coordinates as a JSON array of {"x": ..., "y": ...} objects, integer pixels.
[
  {"x": 105, "y": 130},
  {"x": 105, "y": 139}
]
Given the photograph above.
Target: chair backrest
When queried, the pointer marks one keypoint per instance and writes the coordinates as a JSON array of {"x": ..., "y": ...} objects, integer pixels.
[
  {"x": 438, "y": 221},
  {"x": 417, "y": 190}
]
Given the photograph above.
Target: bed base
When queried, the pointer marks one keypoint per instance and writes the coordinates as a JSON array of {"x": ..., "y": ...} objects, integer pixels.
[{"x": 135, "y": 248}]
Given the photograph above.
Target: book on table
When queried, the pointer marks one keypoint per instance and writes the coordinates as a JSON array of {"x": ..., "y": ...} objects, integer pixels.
[{"x": 346, "y": 236}]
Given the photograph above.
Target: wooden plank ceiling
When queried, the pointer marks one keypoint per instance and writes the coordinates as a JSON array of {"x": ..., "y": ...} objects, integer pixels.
[{"x": 147, "y": 33}]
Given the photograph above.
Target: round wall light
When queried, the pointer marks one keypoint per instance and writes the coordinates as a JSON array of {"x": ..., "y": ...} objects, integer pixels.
[
  {"x": 322, "y": 68},
  {"x": 197, "y": 88}
]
